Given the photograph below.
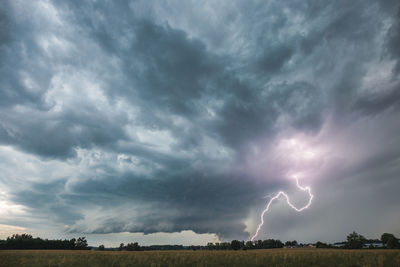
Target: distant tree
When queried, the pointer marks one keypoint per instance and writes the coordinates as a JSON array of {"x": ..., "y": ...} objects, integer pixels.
[
  {"x": 235, "y": 244},
  {"x": 393, "y": 242},
  {"x": 291, "y": 243},
  {"x": 210, "y": 246},
  {"x": 249, "y": 245},
  {"x": 385, "y": 237},
  {"x": 133, "y": 246},
  {"x": 390, "y": 241},
  {"x": 129, "y": 247},
  {"x": 101, "y": 247},
  {"x": 121, "y": 246},
  {"x": 278, "y": 244},
  {"x": 81, "y": 243},
  {"x": 258, "y": 244},
  {"x": 269, "y": 243},
  {"x": 321, "y": 245},
  {"x": 355, "y": 241},
  {"x": 26, "y": 241},
  {"x": 72, "y": 243},
  {"x": 136, "y": 246},
  {"x": 225, "y": 245}
]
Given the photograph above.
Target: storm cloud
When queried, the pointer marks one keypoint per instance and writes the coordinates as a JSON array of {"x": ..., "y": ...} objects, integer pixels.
[{"x": 150, "y": 116}]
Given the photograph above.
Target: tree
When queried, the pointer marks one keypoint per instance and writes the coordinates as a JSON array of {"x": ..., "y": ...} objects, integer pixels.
[
  {"x": 258, "y": 244},
  {"x": 390, "y": 241},
  {"x": 133, "y": 246},
  {"x": 249, "y": 245},
  {"x": 101, "y": 247},
  {"x": 225, "y": 245},
  {"x": 321, "y": 245},
  {"x": 235, "y": 244},
  {"x": 72, "y": 243},
  {"x": 278, "y": 244},
  {"x": 355, "y": 241},
  {"x": 291, "y": 243},
  {"x": 26, "y": 241},
  {"x": 385, "y": 237},
  {"x": 81, "y": 243}
]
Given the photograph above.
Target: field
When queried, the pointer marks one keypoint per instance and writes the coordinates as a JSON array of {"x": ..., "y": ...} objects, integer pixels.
[{"x": 272, "y": 257}]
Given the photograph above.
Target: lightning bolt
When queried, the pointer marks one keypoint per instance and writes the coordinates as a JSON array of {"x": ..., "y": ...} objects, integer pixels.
[{"x": 281, "y": 193}]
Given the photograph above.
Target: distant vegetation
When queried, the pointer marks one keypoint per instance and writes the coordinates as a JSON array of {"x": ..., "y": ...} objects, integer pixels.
[
  {"x": 357, "y": 241},
  {"x": 353, "y": 241},
  {"x": 76, "y": 252},
  {"x": 26, "y": 241},
  {"x": 236, "y": 245}
]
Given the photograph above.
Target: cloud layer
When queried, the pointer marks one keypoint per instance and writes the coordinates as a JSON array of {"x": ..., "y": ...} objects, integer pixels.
[{"x": 146, "y": 117}]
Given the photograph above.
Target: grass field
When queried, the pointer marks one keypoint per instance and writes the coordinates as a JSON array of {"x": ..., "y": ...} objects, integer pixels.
[{"x": 272, "y": 257}]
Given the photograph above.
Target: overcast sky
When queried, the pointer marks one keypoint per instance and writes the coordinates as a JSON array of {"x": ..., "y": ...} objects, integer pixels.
[{"x": 177, "y": 121}]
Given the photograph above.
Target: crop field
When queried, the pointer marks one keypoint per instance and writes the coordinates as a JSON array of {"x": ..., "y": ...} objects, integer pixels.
[{"x": 271, "y": 257}]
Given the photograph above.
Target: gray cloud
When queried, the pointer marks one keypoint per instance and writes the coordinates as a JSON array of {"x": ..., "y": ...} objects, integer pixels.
[
  {"x": 165, "y": 121},
  {"x": 393, "y": 40}
]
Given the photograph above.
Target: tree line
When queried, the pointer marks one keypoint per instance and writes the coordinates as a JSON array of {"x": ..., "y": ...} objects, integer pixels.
[
  {"x": 26, "y": 241},
  {"x": 353, "y": 241},
  {"x": 236, "y": 245},
  {"x": 357, "y": 241}
]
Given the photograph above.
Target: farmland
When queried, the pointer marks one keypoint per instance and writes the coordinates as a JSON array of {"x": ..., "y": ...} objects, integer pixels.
[{"x": 271, "y": 257}]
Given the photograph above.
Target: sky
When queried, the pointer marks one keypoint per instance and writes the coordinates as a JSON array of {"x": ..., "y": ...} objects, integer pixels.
[{"x": 175, "y": 122}]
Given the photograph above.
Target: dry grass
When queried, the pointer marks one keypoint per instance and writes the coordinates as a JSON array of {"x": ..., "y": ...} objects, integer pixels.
[{"x": 272, "y": 257}]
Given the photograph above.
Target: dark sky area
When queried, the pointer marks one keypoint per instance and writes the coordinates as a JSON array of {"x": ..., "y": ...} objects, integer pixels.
[{"x": 177, "y": 121}]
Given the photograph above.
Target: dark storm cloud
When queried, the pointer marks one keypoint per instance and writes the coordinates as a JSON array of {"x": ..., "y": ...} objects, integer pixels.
[
  {"x": 176, "y": 70},
  {"x": 187, "y": 200},
  {"x": 26, "y": 74},
  {"x": 13, "y": 90},
  {"x": 393, "y": 40},
  {"x": 274, "y": 60},
  {"x": 160, "y": 118},
  {"x": 375, "y": 103},
  {"x": 202, "y": 201},
  {"x": 4, "y": 32},
  {"x": 57, "y": 136},
  {"x": 44, "y": 198}
]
